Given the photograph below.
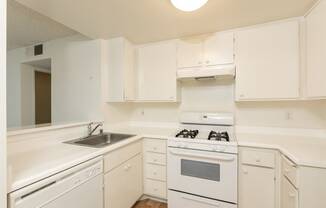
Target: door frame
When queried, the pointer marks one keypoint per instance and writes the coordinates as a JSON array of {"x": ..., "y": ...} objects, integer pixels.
[{"x": 3, "y": 113}]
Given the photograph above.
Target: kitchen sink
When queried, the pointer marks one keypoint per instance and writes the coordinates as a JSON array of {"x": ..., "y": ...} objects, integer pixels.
[{"x": 101, "y": 140}]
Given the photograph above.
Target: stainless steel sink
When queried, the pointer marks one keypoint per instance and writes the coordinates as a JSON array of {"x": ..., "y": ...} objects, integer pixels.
[{"x": 101, "y": 140}]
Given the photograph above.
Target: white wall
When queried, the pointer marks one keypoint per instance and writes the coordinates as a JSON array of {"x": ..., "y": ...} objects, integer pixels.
[
  {"x": 202, "y": 96},
  {"x": 3, "y": 128},
  {"x": 75, "y": 70}
]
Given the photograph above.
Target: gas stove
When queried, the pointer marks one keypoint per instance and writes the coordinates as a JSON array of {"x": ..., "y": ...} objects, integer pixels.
[{"x": 205, "y": 131}]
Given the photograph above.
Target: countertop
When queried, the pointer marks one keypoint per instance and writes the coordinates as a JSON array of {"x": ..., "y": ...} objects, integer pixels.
[
  {"x": 37, "y": 163},
  {"x": 302, "y": 150},
  {"x": 30, "y": 166}
]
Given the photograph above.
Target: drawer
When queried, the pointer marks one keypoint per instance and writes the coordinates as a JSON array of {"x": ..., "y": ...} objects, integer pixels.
[
  {"x": 155, "y": 158},
  {"x": 290, "y": 171},
  {"x": 119, "y": 156},
  {"x": 290, "y": 195},
  {"x": 258, "y": 157},
  {"x": 156, "y": 172},
  {"x": 155, "y": 188},
  {"x": 155, "y": 145}
]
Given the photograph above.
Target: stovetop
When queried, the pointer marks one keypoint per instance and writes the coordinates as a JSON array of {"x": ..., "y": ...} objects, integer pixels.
[{"x": 212, "y": 135}]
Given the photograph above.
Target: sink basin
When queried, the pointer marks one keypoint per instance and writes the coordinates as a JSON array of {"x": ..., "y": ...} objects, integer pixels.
[{"x": 101, "y": 140}]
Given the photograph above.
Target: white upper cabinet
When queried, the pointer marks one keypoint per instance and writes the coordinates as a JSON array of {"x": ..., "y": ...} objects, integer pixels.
[
  {"x": 268, "y": 62},
  {"x": 156, "y": 67},
  {"x": 316, "y": 50},
  {"x": 190, "y": 53},
  {"x": 219, "y": 49},
  {"x": 119, "y": 70},
  {"x": 206, "y": 51}
]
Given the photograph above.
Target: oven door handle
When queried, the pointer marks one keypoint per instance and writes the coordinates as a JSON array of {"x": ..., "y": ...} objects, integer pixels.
[
  {"x": 222, "y": 158},
  {"x": 201, "y": 201}
]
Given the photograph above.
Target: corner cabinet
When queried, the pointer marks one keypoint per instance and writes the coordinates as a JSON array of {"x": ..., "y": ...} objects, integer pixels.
[
  {"x": 316, "y": 50},
  {"x": 118, "y": 70},
  {"x": 268, "y": 62},
  {"x": 156, "y": 69}
]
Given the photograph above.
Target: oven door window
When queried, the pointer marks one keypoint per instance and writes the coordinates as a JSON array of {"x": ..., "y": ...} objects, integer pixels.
[{"x": 203, "y": 170}]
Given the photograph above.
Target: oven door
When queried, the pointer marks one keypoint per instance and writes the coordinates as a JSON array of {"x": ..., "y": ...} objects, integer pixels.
[{"x": 208, "y": 174}]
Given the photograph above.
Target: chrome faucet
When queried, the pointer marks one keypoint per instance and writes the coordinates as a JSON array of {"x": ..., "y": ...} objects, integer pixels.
[{"x": 91, "y": 131}]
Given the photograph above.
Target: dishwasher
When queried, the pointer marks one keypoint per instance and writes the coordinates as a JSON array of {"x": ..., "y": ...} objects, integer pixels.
[{"x": 77, "y": 187}]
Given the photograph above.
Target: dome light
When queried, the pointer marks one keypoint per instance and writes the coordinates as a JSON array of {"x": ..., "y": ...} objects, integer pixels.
[{"x": 188, "y": 5}]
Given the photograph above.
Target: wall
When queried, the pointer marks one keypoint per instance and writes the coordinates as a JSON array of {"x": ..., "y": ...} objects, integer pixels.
[
  {"x": 3, "y": 129},
  {"x": 219, "y": 96},
  {"x": 76, "y": 95}
]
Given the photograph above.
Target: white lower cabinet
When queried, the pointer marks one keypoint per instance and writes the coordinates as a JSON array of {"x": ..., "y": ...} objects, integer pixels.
[
  {"x": 123, "y": 185},
  {"x": 155, "y": 167},
  {"x": 257, "y": 179}
]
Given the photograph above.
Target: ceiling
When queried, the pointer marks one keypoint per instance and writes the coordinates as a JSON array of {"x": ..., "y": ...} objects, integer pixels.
[
  {"x": 25, "y": 27},
  {"x": 144, "y": 21}
]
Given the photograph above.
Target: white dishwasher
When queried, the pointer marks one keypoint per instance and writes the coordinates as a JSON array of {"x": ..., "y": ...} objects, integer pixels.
[{"x": 77, "y": 187}]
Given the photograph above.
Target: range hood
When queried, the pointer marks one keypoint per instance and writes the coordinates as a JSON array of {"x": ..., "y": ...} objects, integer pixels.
[{"x": 223, "y": 71}]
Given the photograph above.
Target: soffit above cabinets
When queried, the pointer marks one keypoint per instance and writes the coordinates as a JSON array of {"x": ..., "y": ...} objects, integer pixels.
[{"x": 145, "y": 21}]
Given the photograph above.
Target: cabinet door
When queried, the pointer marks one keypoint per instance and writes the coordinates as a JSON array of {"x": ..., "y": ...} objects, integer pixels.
[
  {"x": 289, "y": 197},
  {"x": 124, "y": 184},
  {"x": 218, "y": 49},
  {"x": 267, "y": 61},
  {"x": 256, "y": 187},
  {"x": 190, "y": 53},
  {"x": 120, "y": 82},
  {"x": 316, "y": 50},
  {"x": 157, "y": 72}
]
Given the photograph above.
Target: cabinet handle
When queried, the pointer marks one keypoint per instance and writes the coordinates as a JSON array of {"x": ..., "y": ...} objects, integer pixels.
[
  {"x": 155, "y": 173},
  {"x": 155, "y": 160},
  {"x": 199, "y": 62},
  {"x": 207, "y": 62},
  {"x": 258, "y": 160}
]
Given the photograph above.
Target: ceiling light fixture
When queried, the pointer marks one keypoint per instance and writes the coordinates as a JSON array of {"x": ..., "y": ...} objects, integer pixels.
[{"x": 188, "y": 5}]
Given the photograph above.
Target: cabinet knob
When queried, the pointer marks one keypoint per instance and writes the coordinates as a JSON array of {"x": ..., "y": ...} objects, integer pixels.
[
  {"x": 258, "y": 160},
  {"x": 199, "y": 62},
  {"x": 207, "y": 62}
]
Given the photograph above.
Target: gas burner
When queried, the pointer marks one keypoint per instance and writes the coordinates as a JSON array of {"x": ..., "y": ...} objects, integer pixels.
[
  {"x": 187, "y": 134},
  {"x": 219, "y": 136}
]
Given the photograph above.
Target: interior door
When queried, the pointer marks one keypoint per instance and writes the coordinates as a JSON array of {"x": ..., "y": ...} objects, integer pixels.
[{"x": 42, "y": 98}]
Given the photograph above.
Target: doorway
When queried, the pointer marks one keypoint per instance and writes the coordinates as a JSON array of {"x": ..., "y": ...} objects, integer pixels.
[{"x": 36, "y": 97}]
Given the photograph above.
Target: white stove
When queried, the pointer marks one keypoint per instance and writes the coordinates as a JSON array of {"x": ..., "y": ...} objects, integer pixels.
[
  {"x": 203, "y": 162},
  {"x": 205, "y": 131}
]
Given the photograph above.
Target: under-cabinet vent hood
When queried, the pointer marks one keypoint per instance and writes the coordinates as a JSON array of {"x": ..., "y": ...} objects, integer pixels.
[{"x": 225, "y": 71}]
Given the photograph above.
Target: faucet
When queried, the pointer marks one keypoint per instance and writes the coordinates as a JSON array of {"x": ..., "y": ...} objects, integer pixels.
[{"x": 91, "y": 131}]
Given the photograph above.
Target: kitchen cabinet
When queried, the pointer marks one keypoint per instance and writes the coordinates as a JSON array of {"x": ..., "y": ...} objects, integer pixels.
[
  {"x": 268, "y": 62},
  {"x": 257, "y": 178},
  {"x": 123, "y": 179},
  {"x": 316, "y": 50},
  {"x": 123, "y": 185},
  {"x": 156, "y": 68},
  {"x": 119, "y": 70},
  {"x": 155, "y": 167},
  {"x": 206, "y": 51}
]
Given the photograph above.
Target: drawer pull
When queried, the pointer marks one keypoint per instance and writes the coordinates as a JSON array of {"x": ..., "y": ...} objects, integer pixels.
[{"x": 258, "y": 160}]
